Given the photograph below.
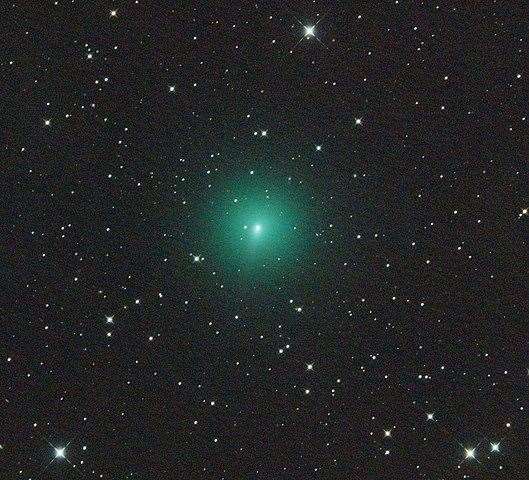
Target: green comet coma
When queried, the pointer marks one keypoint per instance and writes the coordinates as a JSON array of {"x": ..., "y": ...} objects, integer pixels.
[{"x": 258, "y": 224}]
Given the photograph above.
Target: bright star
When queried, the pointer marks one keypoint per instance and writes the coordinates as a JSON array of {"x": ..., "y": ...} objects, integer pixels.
[
  {"x": 113, "y": 13},
  {"x": 59, "y": 452},
  {"x": 470, "y": 453},
  {"x": 387, "y": 433},
  {"x": 196, "y": 258},
  {"x": 309, "y": 31},
  {"x": 429, "y": 416},
  {"x": 310, "y": 366},
  {"x": 110, "y": 319},
  {"x": 358, "y": 121},
  {"x": 494, "y": 447}
]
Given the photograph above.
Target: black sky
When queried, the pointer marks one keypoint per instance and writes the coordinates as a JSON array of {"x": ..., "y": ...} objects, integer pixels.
[{"x": 136, "y": 336}]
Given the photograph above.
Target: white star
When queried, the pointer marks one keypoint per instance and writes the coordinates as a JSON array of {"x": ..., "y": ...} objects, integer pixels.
[
  {"x": 358, "y": 121},
  {"x": 110, "y": 319},
  {"x": 494, "y": 447},
  {"x": 113, "y": 13},
  {"x": 470, "y": 453},
  {"x": 309, "y": 31},
  {"x": 310, "y": 366},
  {"x": 318, "y": 148},
  {"x": 387, "y": 433},
  {"x": 47, "y": 122},
  {"x": 429, "y": 416},
  {"x": 171, "y": 88},
  {"x": 196, "y": 258},
  {"x": 59, "y": 452},
  {"x": 264, "y": 133}
]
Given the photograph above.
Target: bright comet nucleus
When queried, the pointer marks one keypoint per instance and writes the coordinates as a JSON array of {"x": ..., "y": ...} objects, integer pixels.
[{"x": 257, "y": 228}]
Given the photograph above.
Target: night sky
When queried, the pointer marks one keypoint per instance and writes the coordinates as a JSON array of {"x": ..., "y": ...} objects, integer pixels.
[{"x": 264, "y": 240}]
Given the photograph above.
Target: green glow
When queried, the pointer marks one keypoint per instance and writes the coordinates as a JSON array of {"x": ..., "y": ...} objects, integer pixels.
[{"x": 257, "y": 222}]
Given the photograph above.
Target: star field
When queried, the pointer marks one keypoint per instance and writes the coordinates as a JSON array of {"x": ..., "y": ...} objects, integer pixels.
[{"x": 264, "y": 240}]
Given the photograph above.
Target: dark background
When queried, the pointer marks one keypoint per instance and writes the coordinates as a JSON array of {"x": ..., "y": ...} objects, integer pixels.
[{"x": 388, "y": 344}]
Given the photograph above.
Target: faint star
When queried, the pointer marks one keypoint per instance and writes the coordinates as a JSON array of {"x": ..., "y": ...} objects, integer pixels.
[{"x": 318, "y": 148}]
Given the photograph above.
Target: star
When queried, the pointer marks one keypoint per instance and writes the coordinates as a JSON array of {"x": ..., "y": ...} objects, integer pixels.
[
  {"x": 171, "y": 88},
  {"x": 310, "y": 366},
  {"x": 309, "y": 31},
  {"x": 196, "y": 258},
  {"x": 113, "y": 13},
  {"x": 47, "y": 123},
  {"x": 318, "y": 148},
  {"x": 387, "y": 433},
  {"x": 429, "y": 416},
  {"x": 264, "y": 133},
  {"x": 470, "y": 453},
  {"x": 110, "y": 319},
  {"x": 495, "y": 447},
  {"x": 358, "y": 121},
  {"x": 60, "y": 452}
]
